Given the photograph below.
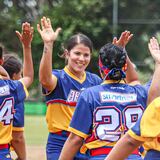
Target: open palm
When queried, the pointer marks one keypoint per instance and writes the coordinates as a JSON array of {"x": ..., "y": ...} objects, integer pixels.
[
  {"x": 26, "y": 35},
  {"x": 125, "y": 37},
  {"x": 154, "y": 49},
  {"x": 46, "y": 31}
]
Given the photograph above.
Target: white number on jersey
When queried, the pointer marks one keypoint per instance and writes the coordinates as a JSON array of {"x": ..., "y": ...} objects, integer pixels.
[
  {"x": 7, "y": 111},
  {"x": 109, "y": 120}
]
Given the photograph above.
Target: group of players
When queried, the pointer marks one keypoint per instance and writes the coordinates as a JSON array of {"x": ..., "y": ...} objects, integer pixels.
[{"x": 86, "y": 115}]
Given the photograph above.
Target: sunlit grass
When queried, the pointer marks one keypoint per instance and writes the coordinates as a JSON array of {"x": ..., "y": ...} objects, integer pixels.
[{"x": 35, "y": 130}]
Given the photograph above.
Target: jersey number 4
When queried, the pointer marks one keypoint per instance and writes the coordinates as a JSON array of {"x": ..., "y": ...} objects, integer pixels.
[{"x": 7, "y": 111}]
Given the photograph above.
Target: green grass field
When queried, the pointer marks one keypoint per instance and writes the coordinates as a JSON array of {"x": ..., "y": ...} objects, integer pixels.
[
  {"x": 36, "y": 133},
  {"x": 35, "y": 130}
]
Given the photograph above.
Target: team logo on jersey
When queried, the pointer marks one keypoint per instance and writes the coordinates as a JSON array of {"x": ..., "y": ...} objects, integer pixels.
[
  {"x": 73, "y": 96},
  {"x": 4, "y": 90},
  {"x": 117, "y": 97}
]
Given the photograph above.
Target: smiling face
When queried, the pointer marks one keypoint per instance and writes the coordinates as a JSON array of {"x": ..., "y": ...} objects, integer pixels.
[{"x": 78, "y": 59}]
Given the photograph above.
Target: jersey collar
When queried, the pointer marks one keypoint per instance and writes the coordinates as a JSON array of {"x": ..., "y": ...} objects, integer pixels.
[
  {"x": 74, "y": 77},
  {"x": 113, "y": 81}
]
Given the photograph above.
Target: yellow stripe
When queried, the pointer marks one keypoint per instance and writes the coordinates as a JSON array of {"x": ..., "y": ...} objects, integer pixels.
[
  {"x": 83, "y": 135},
  {"x": 133, "y": 135},
  {"x": 74, "y": 77},
  {"x": 113, "y": 81},
  {"x": 25, "y": 89},
  {"x": 58, "y": 117},
  {"x": 18, "y": 129},
  {"x": 54, "y": 78},
  {"x": 5, "y": 133}
]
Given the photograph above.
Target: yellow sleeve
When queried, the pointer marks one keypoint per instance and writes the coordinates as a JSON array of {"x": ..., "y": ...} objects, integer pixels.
[
  {"x": 18, "y": 129},
  {"x": 150, "y": 122},
  {"x": 136, "y": 137},
  {"x": 70, "y": 129}
]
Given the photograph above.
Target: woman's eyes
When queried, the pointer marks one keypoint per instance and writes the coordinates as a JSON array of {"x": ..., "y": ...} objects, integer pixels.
[
  {"x": 84, "y": 54},
  {"x": 77, "y": 53}
]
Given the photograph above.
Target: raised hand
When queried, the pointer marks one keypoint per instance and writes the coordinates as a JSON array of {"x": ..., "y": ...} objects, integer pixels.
[
  {"x": 123, "y": 40},
  {"x": 46, "y": 31},
  {"x": 154, "y": 49},
  {"x": 27, "y": 34}
]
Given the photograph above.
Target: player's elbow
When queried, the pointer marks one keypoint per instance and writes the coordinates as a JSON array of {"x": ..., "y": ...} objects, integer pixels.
[
  {"x": 132, "y": 142},
  {"x": 76, "y": 140}
]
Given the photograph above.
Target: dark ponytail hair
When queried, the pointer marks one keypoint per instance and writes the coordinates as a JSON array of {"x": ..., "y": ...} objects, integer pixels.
[
  {"x": 114, "y": 59},
  {"x": 12, "y": 64},
  {"x": 76, "y": 39}
]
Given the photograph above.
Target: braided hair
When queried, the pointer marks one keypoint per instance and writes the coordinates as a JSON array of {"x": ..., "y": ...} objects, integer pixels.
[{"x": 112, "y": 59}]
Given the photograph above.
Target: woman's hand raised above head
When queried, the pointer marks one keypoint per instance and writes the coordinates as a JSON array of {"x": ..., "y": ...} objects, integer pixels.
[{"x": 46, "y": 31}]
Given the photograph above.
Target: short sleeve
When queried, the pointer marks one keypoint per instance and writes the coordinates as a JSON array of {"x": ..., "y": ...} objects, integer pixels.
[
  {"x": 21, "y": 91},
  {"x": 55, "y": 73},
  {"x": 82, "y": 119},
  {"x": 150, "y": 123}
]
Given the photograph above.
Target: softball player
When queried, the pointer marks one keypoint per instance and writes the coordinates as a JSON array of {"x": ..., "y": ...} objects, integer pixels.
[
  {"x": 63, "y": 87},
  {"x": 13, "y": 67},
  {"x": 146, "y": 131},
  {"x": 15, "y": 90},
  {"x": 105, "y": 112},
  {"x": 147, "y": 128},
  {"x": 12, "y": 93}
]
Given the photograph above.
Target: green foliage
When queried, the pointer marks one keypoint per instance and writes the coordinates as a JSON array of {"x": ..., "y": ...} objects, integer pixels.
[{"x": 91, "y": 17}]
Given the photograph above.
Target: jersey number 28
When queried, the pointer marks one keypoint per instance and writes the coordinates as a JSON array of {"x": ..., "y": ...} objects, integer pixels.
[{"x": 111, "y": 122}]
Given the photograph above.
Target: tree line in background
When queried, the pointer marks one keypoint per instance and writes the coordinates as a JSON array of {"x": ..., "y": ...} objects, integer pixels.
[{"x": 91, "y": 17}]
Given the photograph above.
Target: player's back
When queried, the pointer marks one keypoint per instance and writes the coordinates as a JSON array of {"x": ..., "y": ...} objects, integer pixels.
[
  {"x": 11, "y": 93},
  {"x": 116, "y": 107}
]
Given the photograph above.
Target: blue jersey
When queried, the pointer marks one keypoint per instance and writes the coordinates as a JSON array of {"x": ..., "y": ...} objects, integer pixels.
[
  {"x": 18, "y": 120},
  {"x": 147, "y": 128},
  {"x": 61, "y": 102},
  {"x": 11, "y": 93},
  {"x": 147, "y": 85},
  {"x": 105, "y": 112}
]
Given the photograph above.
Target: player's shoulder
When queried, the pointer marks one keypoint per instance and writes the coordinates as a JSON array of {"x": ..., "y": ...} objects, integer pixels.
[
  {"x": 93, "y": 78},
  {"x": 93, "y": 89},
  {"x": 57, "y": 71},
  {"x": 9, "y": 86},
  {"x": 92, "y": 75},
  {"x": 138, "y": 86},
  {"x": 11, "y": 83}
]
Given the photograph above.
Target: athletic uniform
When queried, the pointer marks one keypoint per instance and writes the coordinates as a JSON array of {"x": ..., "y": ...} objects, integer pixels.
[
  {"x": 11, "y": 93},
  {"x": 148, "y": 84},
  {"x": 61, "y": 103},
  {"x": 104, "y": 113},
  {"x": 147, "y": 129},
  {"x": 18, "y": 120}
]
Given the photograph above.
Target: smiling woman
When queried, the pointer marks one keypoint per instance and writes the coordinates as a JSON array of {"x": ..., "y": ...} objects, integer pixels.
[
  {"x": 78, "y": 59},
  {"x": 62, "y": 87}
]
